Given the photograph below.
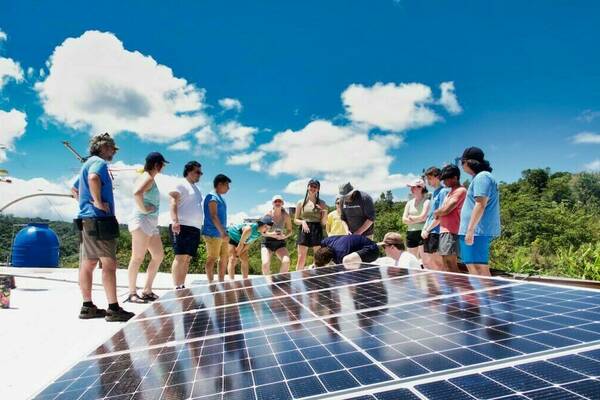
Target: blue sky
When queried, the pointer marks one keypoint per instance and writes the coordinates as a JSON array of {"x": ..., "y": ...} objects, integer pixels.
[{"x": 525, "y": 84}]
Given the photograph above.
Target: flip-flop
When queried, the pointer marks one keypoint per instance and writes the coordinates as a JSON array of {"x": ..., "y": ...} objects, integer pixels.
[
  {"x": 149, "y": 296},
  {"x": 134, "y": 298}
]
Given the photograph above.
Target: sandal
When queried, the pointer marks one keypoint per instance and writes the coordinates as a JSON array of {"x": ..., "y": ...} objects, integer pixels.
[
  {"x": 134, "y": 298},
  {"x": 149, "y": 296}
]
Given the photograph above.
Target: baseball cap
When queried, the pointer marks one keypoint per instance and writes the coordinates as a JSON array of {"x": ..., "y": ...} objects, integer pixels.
[
  {"x": 266, "y": 220},
  {"x": 155, "y": 157},
  {"x": 417, "y": 183},
  {"x": 392, "y": 238},
  {"x": 314, "y": 181},
  {"x": 277, "y": 197},
  {"x": 473, "y": 153}
]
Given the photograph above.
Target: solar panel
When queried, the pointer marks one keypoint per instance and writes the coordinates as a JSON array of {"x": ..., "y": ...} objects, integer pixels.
[{"x": 378, "y": 332}]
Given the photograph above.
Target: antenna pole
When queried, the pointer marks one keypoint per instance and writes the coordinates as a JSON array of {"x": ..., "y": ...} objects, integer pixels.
[{"x": 75, "y": 153}]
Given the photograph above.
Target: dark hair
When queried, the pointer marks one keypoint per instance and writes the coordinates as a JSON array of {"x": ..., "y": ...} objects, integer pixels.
[
  {"x": 150, "y": 165},
  {"x": 220, "y": 179},
  {"x": 433, "y": 171},
  {"x": 318, "y": 201},
  {"x": 478, "y": 166},
  {"x": 189, "y": 167},
  {"x": 323, "y": 256},
  {"x": 399, "y": 246}
]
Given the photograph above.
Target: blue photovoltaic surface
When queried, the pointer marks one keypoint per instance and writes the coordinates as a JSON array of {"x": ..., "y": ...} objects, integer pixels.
[{"x": 332, "y": 331}]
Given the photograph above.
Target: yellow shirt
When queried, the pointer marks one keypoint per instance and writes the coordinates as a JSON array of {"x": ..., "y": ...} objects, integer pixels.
[{"x": 335, "y": 226}]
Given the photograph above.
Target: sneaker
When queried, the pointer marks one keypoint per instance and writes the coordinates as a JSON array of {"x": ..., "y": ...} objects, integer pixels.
[
  {"x": 91, "y": 312},
  {"x": 118, "y": 316}
]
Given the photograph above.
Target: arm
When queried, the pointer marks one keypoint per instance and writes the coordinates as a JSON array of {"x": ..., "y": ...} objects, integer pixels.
[
  {"x": 242, "y": 244},
  {"x": 405, "y": 218},
  {"x": 173, "y": 201},
  {"x": 323, "y": 213},
  {"x": 369, "y": 212},
  {"x": 138, "y": 194},
  {"x": 212, "y": 208},
  {"x": 478, "y": 210},
  {"x": 449, "y": 205},
  {"x": 95, "y": 184},
  {"x": 423, "y": 216},
  {"x": 75, "y": 193},
  {"x": 288, "y": 226},
  {"x": 300, "y": 221},
  {"x": 328, "y": 224}
]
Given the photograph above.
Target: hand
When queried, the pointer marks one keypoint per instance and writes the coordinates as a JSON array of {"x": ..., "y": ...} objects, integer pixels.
[
  {"x": 424, "y": 234},
  {"x": 238, "y": 251},
  {"x": 436, "y": 214},
  {"x": 469, "y": 238},
  {"x": 305, "y": 227},
  {"x": 101, "y": 206},
  {"x": 176, "y": 228},
  {"x": 224, "y": 236},
  {"x": 280, "y": 236},
  {"x": 149, "y": 208}
]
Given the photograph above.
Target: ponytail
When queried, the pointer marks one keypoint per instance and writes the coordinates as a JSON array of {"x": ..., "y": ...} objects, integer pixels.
[{"x": 478, "y": 166}]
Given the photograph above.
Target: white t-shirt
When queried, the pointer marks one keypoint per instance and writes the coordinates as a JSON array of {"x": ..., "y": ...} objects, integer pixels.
[
  {"x": 189, "y": 208},
  {"x": 408, "y": 260}
]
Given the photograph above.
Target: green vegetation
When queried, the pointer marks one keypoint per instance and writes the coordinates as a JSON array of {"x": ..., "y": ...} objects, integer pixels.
[{"x": 550, "y": 222}]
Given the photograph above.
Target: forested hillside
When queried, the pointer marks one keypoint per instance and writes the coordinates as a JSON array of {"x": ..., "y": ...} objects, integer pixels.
[{"x": 550, "y": 225}]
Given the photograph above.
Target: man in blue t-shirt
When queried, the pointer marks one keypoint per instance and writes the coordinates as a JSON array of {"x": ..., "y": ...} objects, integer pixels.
[
  {"x": 480, "y": 214},
  {"x": 214, "y": 231},
  {"x": 99, "y": 229},
  {"x": 349, "y": 250}
]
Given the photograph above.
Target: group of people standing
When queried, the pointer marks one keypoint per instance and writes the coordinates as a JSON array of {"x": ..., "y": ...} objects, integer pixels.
[{"x": 455, "y": 218}]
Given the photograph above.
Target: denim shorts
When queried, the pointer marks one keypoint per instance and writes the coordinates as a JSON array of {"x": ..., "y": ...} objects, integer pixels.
[{"x": 478, "y": 253}]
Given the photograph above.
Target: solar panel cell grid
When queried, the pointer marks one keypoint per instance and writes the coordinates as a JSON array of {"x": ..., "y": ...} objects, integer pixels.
[{"x": 330, "y": 331}]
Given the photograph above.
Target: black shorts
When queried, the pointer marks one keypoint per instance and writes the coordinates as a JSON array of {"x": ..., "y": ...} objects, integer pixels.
[
  {"x": 233, "y": 242},
  {"x": 312, "y": 238},
  {"x": 273, "y": 244},
  {"x": 413, "y": 239},
  {"x": 432, "y": 243},
  {"x": 369, "y": 254},
  {"x": 187, "y": 241}
]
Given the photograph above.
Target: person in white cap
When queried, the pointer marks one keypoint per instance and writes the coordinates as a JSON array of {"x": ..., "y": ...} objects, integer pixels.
[
  {"x": 275, "y": 239},
  {"x": 415, "y": 214}
]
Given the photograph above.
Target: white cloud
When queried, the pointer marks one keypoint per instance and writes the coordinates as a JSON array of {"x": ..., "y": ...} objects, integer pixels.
[
  {"x": 230, "y": 104},
  {"x": 252, "y": 159},
  {"x": 95, "y": 83},
  {"x": 42, "y": 72},
  {"x": 30, "y": 72},
  {"x": 448, "y": 98},
  {"x": 237, "y": 218},
  {"x": 389, "y": 106},
  {"x": 206, "y": 135},
  {"x": 184, "y": 145},
  {"x": 3, "y": 36},
  {"x": 236, "y": 135},
  {"x": 586, "y": 137},
  {"x": 588, "y": 115},
  {"x": 9, "y": 69},
  {"x": 12, "y": 127},
  {"x": 262, "y": 209},
  {"x": 593, "y": 166}
]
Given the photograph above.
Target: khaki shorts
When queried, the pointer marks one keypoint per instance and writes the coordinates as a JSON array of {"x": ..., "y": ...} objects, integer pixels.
[
  {"x": 92, "y": 248},
  {"x": 216, "y": 247}
]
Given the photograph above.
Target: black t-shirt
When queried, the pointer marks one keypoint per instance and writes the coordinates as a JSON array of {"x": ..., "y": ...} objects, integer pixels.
[
  {"x": 358, "y": 209},
  {"x": 344, "y": 245}
]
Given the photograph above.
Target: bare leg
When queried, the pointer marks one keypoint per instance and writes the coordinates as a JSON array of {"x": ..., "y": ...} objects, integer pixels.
[
  {"x": 265, "y": 258},
  {"x": 223, "y": 261},
  {"x": 479, "y": 269},
  {"x": 210, "y": 268},
  {"x": 139, "y": 246},
  {"x": 86, "y": 276},
  {"x": 414, "y": 251},
  {"x": 245, "y": 264},
  {"x": 302, "y": 252},
  {"x": 437, "y": 263},
  {"x": 232, "y": 262},
  {"x": 179, "y": 268},
  {"x": 451, "y": 263},
  {"x": 284, "y": 256},
  {"x": 109, "y": 278},
  {"x": 157, "y": 253},
  {"x": 314, "y": 249}
]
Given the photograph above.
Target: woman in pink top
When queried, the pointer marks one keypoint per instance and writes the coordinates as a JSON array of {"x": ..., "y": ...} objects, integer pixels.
[{"x": 448, "y": 217}]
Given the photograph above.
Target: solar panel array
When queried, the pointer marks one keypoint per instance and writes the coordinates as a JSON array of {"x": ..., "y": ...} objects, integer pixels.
[{"x": 376, "y": 332}]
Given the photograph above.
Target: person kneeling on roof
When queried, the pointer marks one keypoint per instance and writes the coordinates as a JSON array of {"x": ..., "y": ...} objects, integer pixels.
[{"x": 350, "y": 250}]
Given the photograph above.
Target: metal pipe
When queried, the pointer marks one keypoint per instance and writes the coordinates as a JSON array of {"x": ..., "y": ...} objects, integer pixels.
[{"x": 34, "y": 195}]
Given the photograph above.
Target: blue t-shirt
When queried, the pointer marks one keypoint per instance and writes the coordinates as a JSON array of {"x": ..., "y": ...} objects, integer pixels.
[
  {"x": 437, "y": 199},
  {"x": 483, "y": 185},
  {"x": 235, "y": 232},
  {"x": 344, "y": 245},
  {"x": 209, "y": 228},
  {"x": 98, "y": 166}
]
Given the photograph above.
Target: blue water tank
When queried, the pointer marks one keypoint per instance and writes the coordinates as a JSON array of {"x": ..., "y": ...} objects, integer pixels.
[{"x": 36, "y": 246}]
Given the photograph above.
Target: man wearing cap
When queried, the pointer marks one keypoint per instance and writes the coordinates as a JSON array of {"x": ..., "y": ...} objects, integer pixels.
[
  {"x": 241, "y": 236},
  {"x": 349, "y": 250},
  {"x": 187, "y": 217},
  {"x": 358, "y": 211},
  {"x": 480, "y": 215},
  {"x": 448, "y": 217},
  {"x": 431, "y": 233},
  {"x": 99, "y": 229},
  {"x": 394, "y": 247},
  {"x": 274, "y": 240}
]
